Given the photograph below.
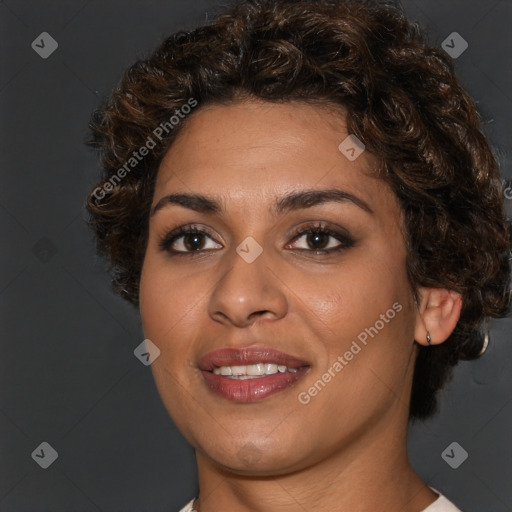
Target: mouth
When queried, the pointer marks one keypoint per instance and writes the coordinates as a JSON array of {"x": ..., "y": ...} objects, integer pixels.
[
  {"x": 252, "y": 371},
  {"x": 250, "y": 374}
]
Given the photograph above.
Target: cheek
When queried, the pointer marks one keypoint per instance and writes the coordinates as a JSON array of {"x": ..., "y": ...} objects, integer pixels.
[
  {"x": 168, "y": 308},
  {"x": 366, "y": 307},
  {"x": 152, "y": 296},
  {"x": 367, "y": 344},
  {"x": 354, "y": 295},
  {"x": 165, "y": 300}
]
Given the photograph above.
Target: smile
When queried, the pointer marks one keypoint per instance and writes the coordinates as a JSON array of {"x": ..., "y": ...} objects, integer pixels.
[
  {"x": 251, "y": 388},
  {"x": 250, "y": 374},
  {"x": 252, "y": 371}
]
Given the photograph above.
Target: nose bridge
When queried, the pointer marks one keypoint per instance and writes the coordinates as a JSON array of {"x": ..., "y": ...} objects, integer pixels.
[{"x": 249, "y": 286}]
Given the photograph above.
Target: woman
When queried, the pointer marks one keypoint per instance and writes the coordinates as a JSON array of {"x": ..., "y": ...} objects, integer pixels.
[{"x": 300, "y": 201}]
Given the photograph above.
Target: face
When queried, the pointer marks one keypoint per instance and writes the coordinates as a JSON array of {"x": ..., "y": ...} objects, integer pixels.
[{"x": 283, "y": 312}]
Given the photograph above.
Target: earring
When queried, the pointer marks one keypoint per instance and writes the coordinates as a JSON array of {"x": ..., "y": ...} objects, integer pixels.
[
  {"x": 429, "y": 339},
  {"x": 486, "y": 338}
]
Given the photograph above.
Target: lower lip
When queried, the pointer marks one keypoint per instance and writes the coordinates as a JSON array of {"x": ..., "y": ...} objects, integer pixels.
[{"x": 251, "y": 390}]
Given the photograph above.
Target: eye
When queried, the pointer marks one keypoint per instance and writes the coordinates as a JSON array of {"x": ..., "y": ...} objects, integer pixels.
[
  {"x": 317, "y": 239},
  {"x": 188, "y": 239},
  {"x": 321, "y": 239}
]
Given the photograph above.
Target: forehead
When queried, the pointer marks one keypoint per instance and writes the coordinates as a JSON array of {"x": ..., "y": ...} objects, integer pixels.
[{"x": 261, "y": 150}]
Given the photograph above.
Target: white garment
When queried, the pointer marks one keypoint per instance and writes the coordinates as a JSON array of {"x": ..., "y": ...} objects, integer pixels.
[{"x": 442, "y": 504}]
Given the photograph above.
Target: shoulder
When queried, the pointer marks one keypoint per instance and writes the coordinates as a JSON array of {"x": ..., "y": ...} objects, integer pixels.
[{"x": 442, "y": 504}]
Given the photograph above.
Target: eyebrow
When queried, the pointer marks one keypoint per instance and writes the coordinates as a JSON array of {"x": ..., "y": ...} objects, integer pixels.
[{"x": 293, "y": 201}]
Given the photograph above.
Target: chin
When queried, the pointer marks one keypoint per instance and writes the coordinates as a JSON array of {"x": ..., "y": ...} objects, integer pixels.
[{"x": 264, "y": 456}]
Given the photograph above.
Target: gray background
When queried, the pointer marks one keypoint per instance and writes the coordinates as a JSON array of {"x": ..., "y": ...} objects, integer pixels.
[{"x": 68, "y": 373}]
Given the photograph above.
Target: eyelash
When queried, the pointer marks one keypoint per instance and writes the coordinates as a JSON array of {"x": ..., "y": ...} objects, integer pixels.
[{"x": 168, "y": 240}]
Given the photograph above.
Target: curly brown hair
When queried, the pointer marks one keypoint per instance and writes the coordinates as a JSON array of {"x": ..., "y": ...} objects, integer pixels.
[{"x": 403, "y": 101}]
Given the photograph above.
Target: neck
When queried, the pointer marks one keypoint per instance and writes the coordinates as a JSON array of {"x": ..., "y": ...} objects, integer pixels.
[{"x": 367, "y": 474}]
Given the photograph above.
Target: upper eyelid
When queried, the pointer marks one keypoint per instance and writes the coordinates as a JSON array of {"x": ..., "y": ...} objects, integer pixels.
[{"x": 184, "y": 230}]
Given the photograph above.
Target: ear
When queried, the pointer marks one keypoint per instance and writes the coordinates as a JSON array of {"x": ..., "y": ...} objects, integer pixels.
[{"x": 438, "y": 314}]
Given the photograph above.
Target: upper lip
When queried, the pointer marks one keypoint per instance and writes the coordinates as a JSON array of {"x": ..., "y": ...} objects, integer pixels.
[{"x": 230, "y": 356}]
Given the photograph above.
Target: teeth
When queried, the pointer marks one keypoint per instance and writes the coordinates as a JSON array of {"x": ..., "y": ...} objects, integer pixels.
[
  {"x": 255, "y": 369},
  {"x": 270, "y": 368},
  {"x": 252, "y": 370},
  {"x": 238, "y": 370}
]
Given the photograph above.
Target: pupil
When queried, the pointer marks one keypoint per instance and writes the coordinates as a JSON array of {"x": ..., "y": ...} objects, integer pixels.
[
  {"x": 193, "y": 241},
  {"x": 318, "y": 239}
]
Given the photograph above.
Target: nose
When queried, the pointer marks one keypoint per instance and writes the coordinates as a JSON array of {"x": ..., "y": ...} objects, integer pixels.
[{"x": 248, "y": 292}]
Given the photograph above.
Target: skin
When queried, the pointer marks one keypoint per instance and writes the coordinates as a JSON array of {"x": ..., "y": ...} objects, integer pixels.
[{"x": 346, "y": 448}]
